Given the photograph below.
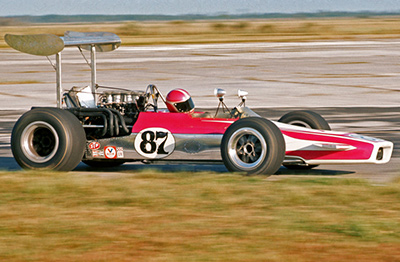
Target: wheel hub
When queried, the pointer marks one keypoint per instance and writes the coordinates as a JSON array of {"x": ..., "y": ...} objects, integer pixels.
[
  {"x": 39, "y": 141},
  {"x": 43, "y": 141},
  {"x": 247, "y": 148}
]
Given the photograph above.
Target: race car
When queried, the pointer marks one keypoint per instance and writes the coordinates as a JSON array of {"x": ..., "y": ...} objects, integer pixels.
[{"x": 109, "y": 128}]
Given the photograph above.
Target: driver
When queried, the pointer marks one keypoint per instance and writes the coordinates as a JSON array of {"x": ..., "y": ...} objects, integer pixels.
[{"x": 179, "y": 101}]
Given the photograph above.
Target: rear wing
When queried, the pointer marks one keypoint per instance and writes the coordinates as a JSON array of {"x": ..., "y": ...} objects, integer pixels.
[
  {"x": 49, "y": 44},
  {"x": 102, "y": 41}
]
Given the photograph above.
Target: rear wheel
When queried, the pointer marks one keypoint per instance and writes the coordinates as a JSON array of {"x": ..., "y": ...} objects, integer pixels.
[
  {"x": 253, "y": 145},
  {"x": 308, "y": 119},
  {"x": 48, "y": 138}
]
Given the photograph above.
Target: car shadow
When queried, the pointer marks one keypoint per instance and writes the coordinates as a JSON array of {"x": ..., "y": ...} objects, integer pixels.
[
  {"x": 318, "y": 171},
  {"x": 215, "y": 168},
  {"x": 9, "y": 164}
]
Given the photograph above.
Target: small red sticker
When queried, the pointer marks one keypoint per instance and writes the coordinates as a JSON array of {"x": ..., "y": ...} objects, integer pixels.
[
  {"x": 110, "y": 152},
  {"x": 94, "y": 145},
  {"x": 97, "y": 153}
]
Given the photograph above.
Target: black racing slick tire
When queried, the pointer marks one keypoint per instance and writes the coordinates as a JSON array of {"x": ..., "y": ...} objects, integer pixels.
[
  {"x": 253, "y": 145},
  {"x": 308, "y": 119},
  {"x": 48, "y": 138},
  {"x": 305, "y": 118}
]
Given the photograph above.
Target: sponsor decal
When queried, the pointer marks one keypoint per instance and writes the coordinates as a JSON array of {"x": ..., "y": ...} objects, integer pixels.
[
  {"x": 94, "y": 145},
  {"x": 155, "y": 142},
  {"x": 96, "y": 153},
  {"x": 120, "y": 152},
  {"x": 110, "y": 152}
]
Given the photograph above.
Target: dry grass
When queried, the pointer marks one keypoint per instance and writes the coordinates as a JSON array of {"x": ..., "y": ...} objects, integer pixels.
[
  {"x": 150, "y": 216},
  {"x": 183, "y": 32}
]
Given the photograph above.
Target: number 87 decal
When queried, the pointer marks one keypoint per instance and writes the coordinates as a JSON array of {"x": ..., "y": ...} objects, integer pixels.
[{"x": 154, "y": 142}]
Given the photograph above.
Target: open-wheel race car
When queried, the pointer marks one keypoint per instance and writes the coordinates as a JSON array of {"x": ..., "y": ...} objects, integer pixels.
[{"x": 107, "y": 129}]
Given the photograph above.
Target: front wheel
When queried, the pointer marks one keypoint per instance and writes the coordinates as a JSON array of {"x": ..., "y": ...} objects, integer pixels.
[
  {"x": 48, "y": 138},
  {"x": 253, "y": 145},
  {"x": 305, "y": 118},
  {"x": 308, "y": 119}
]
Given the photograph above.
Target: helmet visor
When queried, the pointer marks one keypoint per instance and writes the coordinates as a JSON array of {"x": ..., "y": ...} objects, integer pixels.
[{"x": 186, "y": 106}]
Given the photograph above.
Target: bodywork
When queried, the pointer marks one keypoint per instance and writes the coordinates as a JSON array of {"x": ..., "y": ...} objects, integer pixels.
[{"x": 193, "y": 138}]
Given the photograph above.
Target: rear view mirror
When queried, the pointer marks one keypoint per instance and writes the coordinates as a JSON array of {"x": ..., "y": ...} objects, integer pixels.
[
  {"x": 218, "y": 92},
  {"x": 242, "y": 94}
]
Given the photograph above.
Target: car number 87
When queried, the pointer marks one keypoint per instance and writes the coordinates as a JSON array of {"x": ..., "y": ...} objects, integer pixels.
[{"x": 154, "y": 142}]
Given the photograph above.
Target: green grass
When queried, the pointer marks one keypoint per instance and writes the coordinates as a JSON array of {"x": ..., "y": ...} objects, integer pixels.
[{"x": 150, "y": 216}]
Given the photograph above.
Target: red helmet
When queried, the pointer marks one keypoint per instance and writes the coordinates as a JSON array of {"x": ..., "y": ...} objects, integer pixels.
[{"x": 179, "y": 100}]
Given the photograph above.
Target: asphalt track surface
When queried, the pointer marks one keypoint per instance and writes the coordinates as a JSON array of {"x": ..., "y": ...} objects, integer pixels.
[{"x": 354, "y": 85}]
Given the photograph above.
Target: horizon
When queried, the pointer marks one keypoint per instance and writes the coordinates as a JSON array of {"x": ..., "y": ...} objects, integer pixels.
[{"x": 217, "y": 14}]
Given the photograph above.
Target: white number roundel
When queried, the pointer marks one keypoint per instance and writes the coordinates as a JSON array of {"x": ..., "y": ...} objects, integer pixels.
[{"x": 155, "y": 142}]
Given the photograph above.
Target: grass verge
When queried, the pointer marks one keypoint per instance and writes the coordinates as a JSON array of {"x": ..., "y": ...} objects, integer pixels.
[{"x": 150, "y": 216}]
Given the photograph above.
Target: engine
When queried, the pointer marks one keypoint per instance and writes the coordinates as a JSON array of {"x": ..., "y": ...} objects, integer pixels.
[
  {"x": 114, "y": 114},
  {"x": 129, "y": 104}
]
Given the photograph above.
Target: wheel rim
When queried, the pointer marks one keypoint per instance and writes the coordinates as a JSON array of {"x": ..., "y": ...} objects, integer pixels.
[
  {"x": 299, "y": 123},
  {"x": 247, "y": 148},
  {"x": 39, "y": 142}
]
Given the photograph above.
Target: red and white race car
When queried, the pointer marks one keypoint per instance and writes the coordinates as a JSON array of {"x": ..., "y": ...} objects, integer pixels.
[{"x": 105, "y": 129}]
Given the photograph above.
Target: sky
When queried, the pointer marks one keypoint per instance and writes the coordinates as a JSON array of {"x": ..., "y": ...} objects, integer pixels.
[{"x": 176, "y": 7}]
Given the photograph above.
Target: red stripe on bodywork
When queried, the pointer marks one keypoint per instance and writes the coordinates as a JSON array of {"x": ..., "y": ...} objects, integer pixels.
[
  {"x": 181, "y": 123},
  {"x": 362, "y": 149}
]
